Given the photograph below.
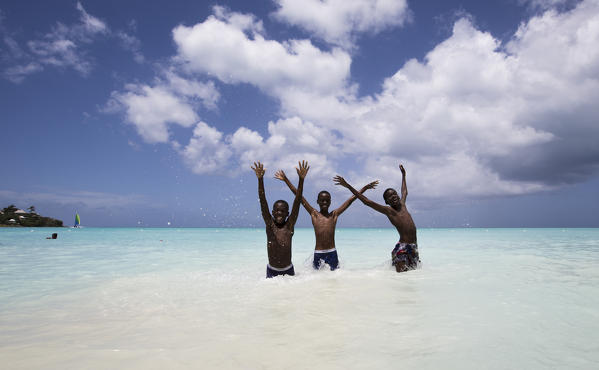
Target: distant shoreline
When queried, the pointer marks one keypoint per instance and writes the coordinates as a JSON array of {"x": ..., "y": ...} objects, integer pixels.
[
  {"x": 17, "y": 226},
  {"x": 12, "y": 216}
]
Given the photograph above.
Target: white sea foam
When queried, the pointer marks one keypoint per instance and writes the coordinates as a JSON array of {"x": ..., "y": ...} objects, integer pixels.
[{"x": 197, "y": 298}]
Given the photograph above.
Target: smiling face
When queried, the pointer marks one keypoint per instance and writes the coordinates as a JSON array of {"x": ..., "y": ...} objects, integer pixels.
[
  {"x": 391, "y": 198},
  {"x": 324, "y": 200},
  {"x": 280, "y": 211}
]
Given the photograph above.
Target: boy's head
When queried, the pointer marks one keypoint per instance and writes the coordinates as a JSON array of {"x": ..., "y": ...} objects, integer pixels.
[
  {"x": 280, "y": 211},
  {"x": 324, "y": 200},
  {"x": 391, "y": 198}
]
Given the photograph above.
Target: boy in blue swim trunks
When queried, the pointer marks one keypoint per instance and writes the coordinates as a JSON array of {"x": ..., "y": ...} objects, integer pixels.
[
  {"x": 279, "y": 227},
  {"x": 324, "y": 223},
  {"x": 405, "y": 254}
]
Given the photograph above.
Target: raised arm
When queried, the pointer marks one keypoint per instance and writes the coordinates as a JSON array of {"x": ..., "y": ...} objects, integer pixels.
[
  {"x": 404, "y": 187},
  {"x": 259, "y": 170},
  {"x": 281, "y": 176},
  {"x": 374, "y": 205},
  {"x": 349, "y": 201},
  {"x": 301, "y": 172}
]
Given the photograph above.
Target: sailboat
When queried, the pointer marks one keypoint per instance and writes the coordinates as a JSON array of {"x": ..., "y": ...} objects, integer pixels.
[{"x": 77, "y": 220}]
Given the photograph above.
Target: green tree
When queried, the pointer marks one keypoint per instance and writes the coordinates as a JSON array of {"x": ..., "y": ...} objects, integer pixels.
[
  {"x": 10, "y": 209},
  {"x": 30, "y": 220}
]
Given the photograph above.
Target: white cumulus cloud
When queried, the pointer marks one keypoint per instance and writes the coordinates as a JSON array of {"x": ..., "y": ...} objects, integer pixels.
[
  {"x": 206, "y": 152},
  {"x": 233, "y": 48},
  {"x": 289, "y": 140},
  {"x": 340, "y": 21},
  {"x": 476, "y": 116},
  {"x": 546, "y": 4},
  {"x": 506, "y": 119},
  {"x": 170, "y": 100}
]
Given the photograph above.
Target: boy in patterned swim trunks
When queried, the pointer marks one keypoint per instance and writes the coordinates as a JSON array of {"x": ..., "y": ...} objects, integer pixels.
[
  {"x": 279, "y": 227},
  {"x": 405, "y": 254}
]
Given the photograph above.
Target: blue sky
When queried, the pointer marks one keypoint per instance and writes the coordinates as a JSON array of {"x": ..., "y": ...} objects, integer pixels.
[{"x": 149, "y": 113}]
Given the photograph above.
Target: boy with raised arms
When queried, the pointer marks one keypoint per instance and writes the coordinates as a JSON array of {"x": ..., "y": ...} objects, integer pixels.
[
  {"x": 324, "y": 222},
  {"x": 279, "y": 227},
  {"x": 405, "y": 254}
]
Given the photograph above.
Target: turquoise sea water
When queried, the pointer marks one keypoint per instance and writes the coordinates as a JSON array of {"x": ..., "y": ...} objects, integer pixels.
[{"x": 197, "y": 298}]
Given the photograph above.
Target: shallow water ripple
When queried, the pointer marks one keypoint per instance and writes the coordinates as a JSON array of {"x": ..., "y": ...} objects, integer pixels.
[{"x": 189, "y": 298}]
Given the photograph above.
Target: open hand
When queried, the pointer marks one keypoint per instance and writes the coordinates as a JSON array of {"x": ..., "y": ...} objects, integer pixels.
[
  {"x": 371, "y": 185},
  {"x": 259, "y": 169},
  {"x": 302, "y": 171},
  {"x": 340, "y": 181},
  {"x": 280, "y": 175}
]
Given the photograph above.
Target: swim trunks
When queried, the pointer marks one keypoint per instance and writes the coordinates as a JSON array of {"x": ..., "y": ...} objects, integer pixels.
[
  {"x": 328, "y": 256},
  {"x": 274, "y": 271},
  {"x": 405, "y": 254}
]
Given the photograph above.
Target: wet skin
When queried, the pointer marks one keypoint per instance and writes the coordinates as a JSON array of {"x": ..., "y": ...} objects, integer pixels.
[
  {"x": 278, "y": 236},
  {"x": 400, "y": 217},
  {"x": 280, "y": 224},
  {"x": 395, "y": 210},
  {"x": 324, "y": 222}
]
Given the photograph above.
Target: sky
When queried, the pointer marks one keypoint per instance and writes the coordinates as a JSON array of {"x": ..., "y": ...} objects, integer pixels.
[{"x": 150, "y": 113}]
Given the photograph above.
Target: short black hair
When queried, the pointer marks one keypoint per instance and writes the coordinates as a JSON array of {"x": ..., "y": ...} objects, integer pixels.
[
  {"x": 385, "y": 192},
  {"x": 281, "y": 201},
  {"x": 324, "y": 192}
]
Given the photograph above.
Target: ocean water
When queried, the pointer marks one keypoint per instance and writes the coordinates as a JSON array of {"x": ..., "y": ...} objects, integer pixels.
[{"x": 198, "y": 299}]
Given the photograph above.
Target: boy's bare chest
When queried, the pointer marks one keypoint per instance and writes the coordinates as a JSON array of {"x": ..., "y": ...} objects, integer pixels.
[
  {"x": 279, "y": 235},
  {"x": 402, "y": 219},
  {"x": 321, "y": 222}
]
